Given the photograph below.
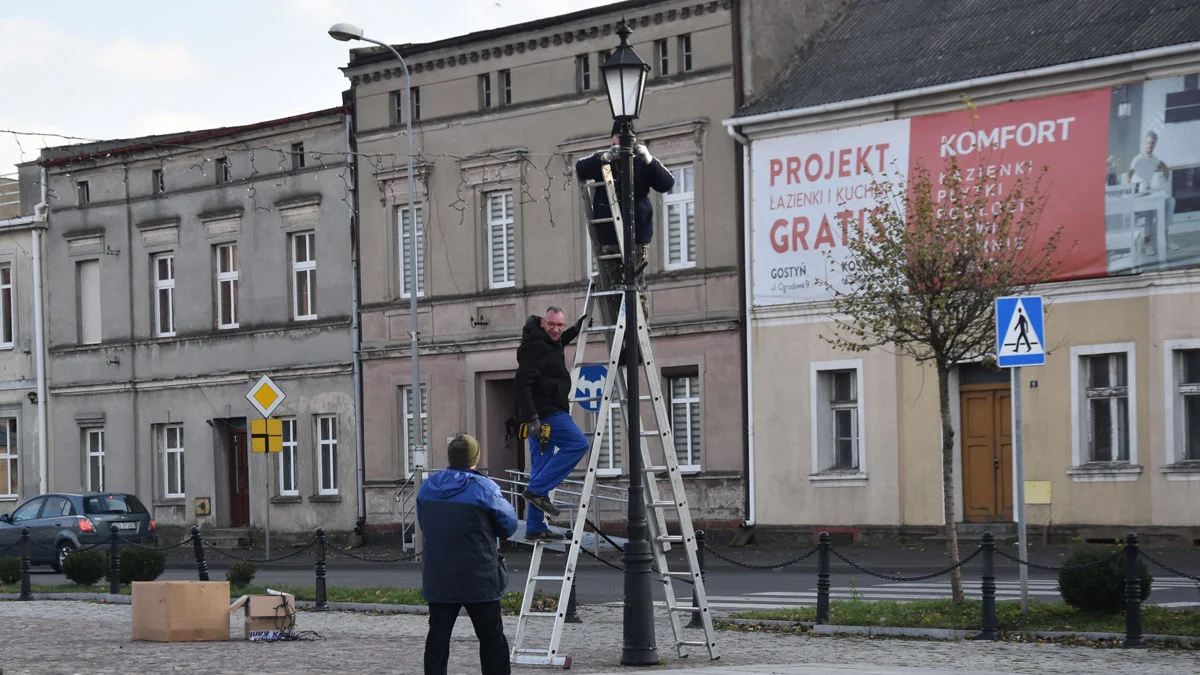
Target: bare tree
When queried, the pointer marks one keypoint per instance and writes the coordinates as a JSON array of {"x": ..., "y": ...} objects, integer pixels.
[{"x": 924, "y": 271}]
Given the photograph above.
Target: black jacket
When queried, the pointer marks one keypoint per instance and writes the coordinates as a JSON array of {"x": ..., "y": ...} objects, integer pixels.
[
  {"x": 645, "y": 176},
  {"x": 461, "y": 513},
  {"x": 543, "y": 380}
]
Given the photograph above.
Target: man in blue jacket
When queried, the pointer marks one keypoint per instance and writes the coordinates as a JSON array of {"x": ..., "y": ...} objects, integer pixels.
[{"x": 461, "y": 513}]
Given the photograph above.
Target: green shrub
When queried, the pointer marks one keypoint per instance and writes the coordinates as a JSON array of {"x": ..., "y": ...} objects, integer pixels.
[
  {"x": 241, "y": 573},
  {"x": 86, "y": 567},
  {"x": 140, "y": 564},
  {"x": 10, "y": 570},
  {"x": 1099, "y": 587}
]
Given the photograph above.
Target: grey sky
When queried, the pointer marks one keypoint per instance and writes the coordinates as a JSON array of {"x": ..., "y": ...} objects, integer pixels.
[{"x": 123, "y": 68}]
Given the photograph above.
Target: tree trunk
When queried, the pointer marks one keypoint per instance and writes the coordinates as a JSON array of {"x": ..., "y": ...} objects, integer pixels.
[{"x": 956, "y": 584}]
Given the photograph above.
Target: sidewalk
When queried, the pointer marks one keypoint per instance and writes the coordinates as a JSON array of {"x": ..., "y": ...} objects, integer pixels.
[{"x": 76, "y": 637}]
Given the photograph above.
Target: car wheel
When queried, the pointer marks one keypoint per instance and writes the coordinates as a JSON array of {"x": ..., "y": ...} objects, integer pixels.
[{"x": 63, "y": 549}]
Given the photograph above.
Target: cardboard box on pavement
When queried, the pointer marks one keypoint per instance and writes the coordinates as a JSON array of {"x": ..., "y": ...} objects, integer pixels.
[
  {"x": 181, "y": 611},
  {"x": 267, "y": 615}
]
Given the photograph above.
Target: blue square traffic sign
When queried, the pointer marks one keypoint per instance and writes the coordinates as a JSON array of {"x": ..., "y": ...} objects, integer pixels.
[{"x": 1020, "y": 333}]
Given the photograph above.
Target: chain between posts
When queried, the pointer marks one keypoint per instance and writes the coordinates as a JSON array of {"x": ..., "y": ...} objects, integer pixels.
[
  {"x": 1065, "y": 568},
  {"x": 752, "y": 566},
  {"x": 922, "y": 577},
  {"x": 261, "y": 561},
  {"x": 134, "y": 544},
  {"x": 1167, "y": 567},
  {"x": 346, "y": 554}
]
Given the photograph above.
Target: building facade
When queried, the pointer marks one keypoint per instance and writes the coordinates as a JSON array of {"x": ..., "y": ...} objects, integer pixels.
[
  {"x": 499, "y": 119},
  {"x": 1110, "y": 422},
  {"x": 181, "y": 269}
]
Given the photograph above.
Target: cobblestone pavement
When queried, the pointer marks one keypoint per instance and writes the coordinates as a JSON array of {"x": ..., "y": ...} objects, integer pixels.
[{"x": 67, "y": 637}]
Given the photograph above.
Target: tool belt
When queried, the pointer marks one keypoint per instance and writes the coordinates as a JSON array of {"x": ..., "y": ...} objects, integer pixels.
[{"x": 542, "y": 433}]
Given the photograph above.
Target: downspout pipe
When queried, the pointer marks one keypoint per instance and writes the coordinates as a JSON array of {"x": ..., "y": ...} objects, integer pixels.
[
  {"x": 748, "y": 328},
  {"x": 39, "y": 343},
  {"x": 356, "y": 325}
]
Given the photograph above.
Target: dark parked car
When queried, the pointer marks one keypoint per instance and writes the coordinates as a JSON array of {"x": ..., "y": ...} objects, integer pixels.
[{"x": 60, "y": 523}]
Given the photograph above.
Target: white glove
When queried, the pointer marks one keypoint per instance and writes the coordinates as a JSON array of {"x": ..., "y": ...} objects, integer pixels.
[{"x": 642, "y": 151}]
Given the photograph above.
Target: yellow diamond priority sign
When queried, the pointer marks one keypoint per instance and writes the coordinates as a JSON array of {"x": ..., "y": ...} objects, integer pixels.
[{"x": 265, "y": 396}]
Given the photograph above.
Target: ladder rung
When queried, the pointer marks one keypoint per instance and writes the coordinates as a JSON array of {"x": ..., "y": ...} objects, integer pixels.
[
  {"x": 659, "y": 505},
  {"x": 681, "y": 575},
  {"x": 688, "y": 610},
  {"x": 611, "y": 256},
  {"x": 549, "y": 578},
  {"x": 599, "y": 329},
  {"x": 593, "y": 183},
  {"x": 692, "y": 643},
  {"x": 654, "y": 469},
  {"x": 584, "y": 400},
  {"x": 670, "y": 538},
  {"x": 650, "y": 432},
  {"x": 542, "y": 615},
  {"x": 601, "y": 220},
  {"x": 595, "y": 293}
]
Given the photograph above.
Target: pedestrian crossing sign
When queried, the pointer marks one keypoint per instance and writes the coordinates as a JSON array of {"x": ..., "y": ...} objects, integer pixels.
[{"x": 1020, "y": 333}]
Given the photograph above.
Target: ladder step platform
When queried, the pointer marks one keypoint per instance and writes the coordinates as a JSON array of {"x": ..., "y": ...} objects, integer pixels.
[{"x": 606, "y": 303}]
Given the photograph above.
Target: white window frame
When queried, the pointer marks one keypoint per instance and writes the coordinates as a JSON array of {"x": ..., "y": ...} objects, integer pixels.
[
  {"x": 297, "y": 156},
  {"x": 289, "y": 458},
  {"x": 583, "y": 72},
  {"x": 504, "y": 227},
  {"x": 506, "y": 87},
  {"x": 162, "y": 286},
  {"x": 8, "y": 320},
  {"x": 1079, "y": 470},
  {"x": 692, "y": 406},
  {"x": 83, "y": 193},
  {"x": 232, "y": 277},
  {"x": 327, "y": 444},
  {"x": 822, "y": 435},
  {"x": 308, "y": 270},
  {"x": 174, "y": 477},
  {"x": 407, "y": 424},
  {"x": 612, "y": 444},
  {"x": 1174, "y": 410},
  {"x": 485, "y": 90},
  {"x": 158, "y": 182},
  {"x": 224, "y": 170},
  {"x": 415, "y": 95},
  {"x": 680, "y": 200},
  {"x": 91, "y": 450},
  {"x": 662, "y": 57},
  {"x": 685, "y": 53},
  {"x": 402, "y": 234},
  {"x": 10, "y": 458},
  {"x": 93, "y": 301}
]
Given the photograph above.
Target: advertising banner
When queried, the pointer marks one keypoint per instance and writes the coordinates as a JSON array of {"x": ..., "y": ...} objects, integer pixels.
[{"x": 1122, "y": 181}]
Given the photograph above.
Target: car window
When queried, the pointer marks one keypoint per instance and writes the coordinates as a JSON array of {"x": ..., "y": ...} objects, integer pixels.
[
  {"x": 56, "y": 506},
  {"x": 28, "y": 510},
  {"x": 112, "y": 504}
]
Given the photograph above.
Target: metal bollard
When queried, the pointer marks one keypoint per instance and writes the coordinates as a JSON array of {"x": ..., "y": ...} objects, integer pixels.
[
  {"x": 572, "y": 614},
  {"x": 1133, "y": 594},
  {"x": 114, "y": 561},
  {"x": 198, "y": 549},
  {"x": 320, "y": 565},
  {"x": 696, "y": 622},
  {"x": 823, "y": 578},
  {"x": 26, "y": 592},
  {"x": 989, "y": 588}
]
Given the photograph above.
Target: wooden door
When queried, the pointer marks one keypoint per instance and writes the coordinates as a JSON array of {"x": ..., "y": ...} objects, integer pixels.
[
  {"x": 239, "y": 479},
  {"x": 987, "y": 453}
]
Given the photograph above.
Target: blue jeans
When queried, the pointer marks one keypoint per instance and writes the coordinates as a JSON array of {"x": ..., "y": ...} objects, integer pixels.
[{"x": 566, "y": 446}]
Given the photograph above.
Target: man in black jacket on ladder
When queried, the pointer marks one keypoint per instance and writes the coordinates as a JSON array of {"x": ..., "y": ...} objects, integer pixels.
[
  {"x": 543, "y": 384},
  {"x": 648, "y": 173}
]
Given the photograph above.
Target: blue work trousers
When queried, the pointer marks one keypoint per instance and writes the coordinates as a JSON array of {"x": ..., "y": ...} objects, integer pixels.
[{"x": 547, "y": 469}]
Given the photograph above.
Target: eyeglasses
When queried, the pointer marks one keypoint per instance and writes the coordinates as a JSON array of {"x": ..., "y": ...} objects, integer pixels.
[{"x": 553, "y": 324}]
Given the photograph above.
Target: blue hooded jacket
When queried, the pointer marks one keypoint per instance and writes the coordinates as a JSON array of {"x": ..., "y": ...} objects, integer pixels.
[{"x": 461, "y": 513}]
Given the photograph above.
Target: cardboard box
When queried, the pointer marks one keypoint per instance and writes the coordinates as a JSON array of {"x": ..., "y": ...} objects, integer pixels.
[
  {"x": 181, "y": 611},
  {"x": 267, "y": 615}
]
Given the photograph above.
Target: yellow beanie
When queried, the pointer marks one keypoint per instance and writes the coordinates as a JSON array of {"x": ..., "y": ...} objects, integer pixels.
[{"x": 463, "y": 452}]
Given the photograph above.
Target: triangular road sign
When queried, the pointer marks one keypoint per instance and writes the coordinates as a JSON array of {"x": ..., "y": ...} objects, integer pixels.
[{"x": 1019, "y": 329}]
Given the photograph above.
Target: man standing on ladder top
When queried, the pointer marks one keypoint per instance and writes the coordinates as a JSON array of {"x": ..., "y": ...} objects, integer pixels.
[
  {"x": 543, "y": 384},
  {"x": 648, "y": 173}
]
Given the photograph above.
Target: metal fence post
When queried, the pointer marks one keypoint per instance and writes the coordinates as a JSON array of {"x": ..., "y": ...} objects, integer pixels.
[
  {"x": 823, "y": 578},
  {"x": 198, "y": 550},
  {"x": 114, "y": 561},
  {"x": 696, "y": 622},
  {"x": 1133, "y": 594},
  {"x": 989, "y": 588},
  {"x": 26, "y": 592},
  {"x": 572, "y": 613},
  {"x": 320, "y": 565}
]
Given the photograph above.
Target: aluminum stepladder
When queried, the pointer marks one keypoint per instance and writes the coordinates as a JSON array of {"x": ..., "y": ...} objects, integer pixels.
[{"x": 606, "y": 302}]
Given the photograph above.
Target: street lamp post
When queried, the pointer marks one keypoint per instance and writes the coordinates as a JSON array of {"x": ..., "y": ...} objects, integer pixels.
[
  {"x": 346, "y": 32},
  {"x": 625, "y": 80}
]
